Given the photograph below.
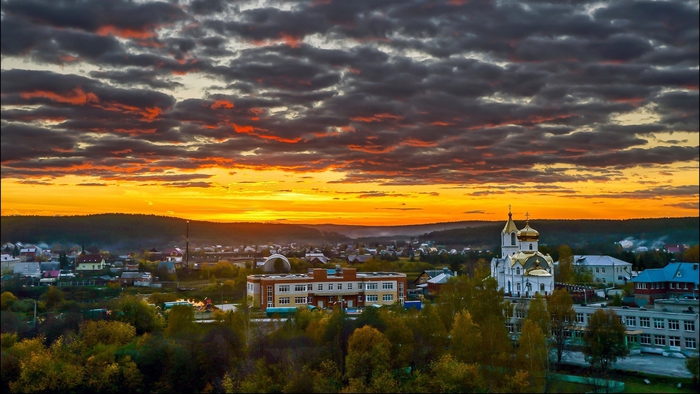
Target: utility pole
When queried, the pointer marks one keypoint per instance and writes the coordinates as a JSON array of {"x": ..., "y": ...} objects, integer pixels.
[{"x": 187, "y": 245}]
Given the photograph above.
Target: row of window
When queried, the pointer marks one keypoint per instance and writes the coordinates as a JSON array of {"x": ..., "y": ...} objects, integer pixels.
[
  {"x": 654, "y": 286},
  {"x": 660, "y": 340},
  {"x": 304, "y": 300},
  {"x": 333, "y": 286},
  {"x": 631, "y": 321}
]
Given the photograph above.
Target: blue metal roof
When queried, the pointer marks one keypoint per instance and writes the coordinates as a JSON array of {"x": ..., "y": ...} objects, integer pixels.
[{"x": 673, "y": 272}]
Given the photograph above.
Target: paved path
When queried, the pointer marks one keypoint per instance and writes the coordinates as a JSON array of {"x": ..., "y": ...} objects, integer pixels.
[{"x": 648, "y": 363}]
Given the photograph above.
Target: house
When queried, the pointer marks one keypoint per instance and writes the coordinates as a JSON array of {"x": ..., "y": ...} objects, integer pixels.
[
  {"x": 316, "y": 258},
  {"x": 322, "y": 287},
  {"x": 50, "y": 266},
  {"x": 168, "y": 266},
  {"x": 675, "y": 248},
  {"x": 421, "y": 282},
  {"x": 28, "y": 270},
  {"x": 7, "y": 262},
  {"x": 674, "y": 280},
  {"x": 358, "y": 258},
  {"x": 436, "y": 283},
  {"x": 89, "y": 263},
  {"x": 604, "y": 269},
  {"x": 143, "y": 279},
  {"x": 174, "y": 255},
  {"x": 29, "y": 254}
]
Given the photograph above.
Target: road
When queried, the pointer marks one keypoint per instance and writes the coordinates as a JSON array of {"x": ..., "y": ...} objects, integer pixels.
[{"x": 647, "y": 363}]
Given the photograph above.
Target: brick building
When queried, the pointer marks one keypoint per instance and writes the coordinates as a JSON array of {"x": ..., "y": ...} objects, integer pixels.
[{"x": 324, "y": 288}]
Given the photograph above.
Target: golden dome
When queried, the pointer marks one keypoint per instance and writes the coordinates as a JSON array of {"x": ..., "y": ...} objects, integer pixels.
[
  {"x": 528, "y": 233},
  {"x": 537, "y": 272}
]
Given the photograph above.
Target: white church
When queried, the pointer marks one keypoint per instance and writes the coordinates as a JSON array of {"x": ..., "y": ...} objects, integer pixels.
[{"x": 522, "y": 270}]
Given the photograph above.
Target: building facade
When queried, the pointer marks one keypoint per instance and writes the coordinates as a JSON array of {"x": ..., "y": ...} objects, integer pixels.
[
  {"x": 325, "y": 288},
  {"x": 648, "y": 330},
  {"x": 678, "y": 280},
  {"x": 604, "y": 269},
  {"x": 522, "y": 269}
]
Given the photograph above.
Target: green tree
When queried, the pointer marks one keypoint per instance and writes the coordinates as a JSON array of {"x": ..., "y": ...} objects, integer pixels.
[
  {"x": 565, "y": 273},
  {"x": 63, "y": 260},
  {"x": 692, "y": 365},
  {"x": 560, "y": 306},
  {"x": 53, "y": 297},
  {"x": 537, "y": 313},
  {"x": 604, "y": 339},
  {"x": 138, "y": 313},
  {"x": 180, "y": 321},
  {"x": 430, "y": 336},
  {"x": 368, "y": 356}
]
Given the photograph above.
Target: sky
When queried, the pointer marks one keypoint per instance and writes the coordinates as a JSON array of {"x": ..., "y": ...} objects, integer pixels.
[{"x": 379, "y": 112}]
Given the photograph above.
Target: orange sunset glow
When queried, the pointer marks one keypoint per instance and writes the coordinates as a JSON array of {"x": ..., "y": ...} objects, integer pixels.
[{"x": 365, "y": 114}]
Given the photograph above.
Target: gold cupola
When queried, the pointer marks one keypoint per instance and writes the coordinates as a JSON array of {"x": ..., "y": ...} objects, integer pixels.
[{"x": 528, "y": 233}]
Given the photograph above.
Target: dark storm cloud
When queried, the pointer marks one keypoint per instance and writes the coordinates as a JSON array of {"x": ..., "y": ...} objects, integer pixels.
[
  {"x": 391, "y": 91},
  {"x": 655, "y": 193}
]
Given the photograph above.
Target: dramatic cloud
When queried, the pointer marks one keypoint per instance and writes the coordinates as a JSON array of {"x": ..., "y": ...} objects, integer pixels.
[{"x": 388, "y": 92}]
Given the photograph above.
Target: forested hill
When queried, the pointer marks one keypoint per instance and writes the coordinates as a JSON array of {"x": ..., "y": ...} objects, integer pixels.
[
  {"x": 129, "y": 232},
  {"x": 642, "y": 232}
]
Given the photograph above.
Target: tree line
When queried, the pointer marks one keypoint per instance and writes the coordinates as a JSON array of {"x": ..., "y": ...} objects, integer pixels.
[{"x": 461, "y": 343}]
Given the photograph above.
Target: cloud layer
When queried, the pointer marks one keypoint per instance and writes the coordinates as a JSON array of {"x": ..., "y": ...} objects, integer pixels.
[{"x": 394, "y": 92}]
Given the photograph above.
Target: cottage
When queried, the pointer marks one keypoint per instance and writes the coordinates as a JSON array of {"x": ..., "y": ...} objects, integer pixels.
[{"x": 89, "y": 263}]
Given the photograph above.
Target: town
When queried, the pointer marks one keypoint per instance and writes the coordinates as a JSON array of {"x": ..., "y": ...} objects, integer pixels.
[{"x": 413, "y": 316}]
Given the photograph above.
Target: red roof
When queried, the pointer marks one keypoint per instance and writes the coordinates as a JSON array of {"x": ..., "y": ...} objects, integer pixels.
[{"x": 89, "y": 258}]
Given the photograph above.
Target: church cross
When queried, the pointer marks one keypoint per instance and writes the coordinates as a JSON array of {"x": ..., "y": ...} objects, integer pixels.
[{"x": 527, "y": 215}]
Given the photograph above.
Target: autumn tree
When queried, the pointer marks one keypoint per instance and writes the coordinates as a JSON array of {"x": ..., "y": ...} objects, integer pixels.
[
  {"x": 560, "y": 306},
  {"x": 368, "y": 355},
  {"x": 465, "y": 338},
  {"x": 450, "y": 375},
  {"x": 94, "y": 332},
  {"x": 532, "y": 352},
  {"x": 692, "y": 255},
  {"x": 400, "y": 337},
  {"x": 604, "y": 339}
]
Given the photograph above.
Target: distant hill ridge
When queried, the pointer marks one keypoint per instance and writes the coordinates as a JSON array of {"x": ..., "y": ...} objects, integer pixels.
[{"x": 129, "y": 232}]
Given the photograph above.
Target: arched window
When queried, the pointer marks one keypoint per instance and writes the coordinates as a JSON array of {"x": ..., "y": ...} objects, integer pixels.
[
  {"x": 542, "y": 287},
  {"x": 512, "y": 238},
  {"x": 517, "y": 271},
  {"x": 530, "y": 246}
]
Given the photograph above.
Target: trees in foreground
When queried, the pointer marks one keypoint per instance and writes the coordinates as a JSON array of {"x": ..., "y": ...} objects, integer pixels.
[{"x": 604, "y": 339}]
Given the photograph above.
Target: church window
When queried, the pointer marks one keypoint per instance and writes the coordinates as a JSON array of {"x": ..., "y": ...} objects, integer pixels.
[
  {"x": 518, "y": 286},
  {"x": 512, "y": 238},
  {"x": 517, "y": 271},
  {"x": 530, "y": 246},
  {"x": 542, "y": 287}
]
